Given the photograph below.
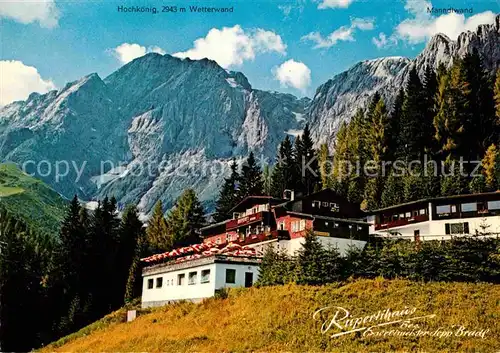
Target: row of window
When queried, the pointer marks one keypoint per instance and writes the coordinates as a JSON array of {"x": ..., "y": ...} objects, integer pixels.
[
  {"x": 251, "y": 211},
  {"x": 468, "y": 207},
  {"x": 334, "y": 207},
  {"x": 192, "y": 278}
]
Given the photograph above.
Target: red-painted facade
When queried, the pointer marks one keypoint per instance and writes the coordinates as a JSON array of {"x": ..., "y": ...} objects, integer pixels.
[{"x": 261, "y": 218}]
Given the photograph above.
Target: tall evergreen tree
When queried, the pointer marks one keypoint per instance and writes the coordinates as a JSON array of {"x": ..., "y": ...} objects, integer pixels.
[
  {"x": 325, "y": 166},
  {"x": 185, "y": 219},
  {"x": 306, "y": 158},
  {"x": 285, "y": 172},
  {"x": 430, "y": 86},
  {"x": 411, "y": 134},
  {"x": 454, "y": 114},
  {"x": 496, "y": 91},
  {"x": 394, "y": 125},
  {"x": 491, "y": 168},
  {"x": 157, "y": 236},
  {"x": 130, "y": 233},
  {"x": 267, "y": 179},
  {"x": 228, "y": 196},
  {"x": 250, "y": 181}
]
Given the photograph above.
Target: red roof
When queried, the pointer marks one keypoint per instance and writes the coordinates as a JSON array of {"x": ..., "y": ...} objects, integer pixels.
[{"x": 197, "y": 251}]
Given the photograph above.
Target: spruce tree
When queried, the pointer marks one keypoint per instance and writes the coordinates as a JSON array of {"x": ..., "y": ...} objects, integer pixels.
[
  {"x": 306, "y": 158},
  {"x": 312, "y": 261},
  {"x": 250, "y": 180},
  {"x": 157, "y": 236},
  {"x": 491, "y": 168},
  {"x": 411, "y": 136},
  {"x": 185, "y": 220},
  {"x": 496, "y": 91},
  {"x": 430, "y": 86},
  {"x": 285, "y": 173},
  {"x": 267, "y": 179},
  {"x": 394, "y": 125},
  {"x": 325, "y": 166},
  {"x": 393, "y": 191},
  {"x": 228, "y": 196},
  {"x": 130, "y": 233}
]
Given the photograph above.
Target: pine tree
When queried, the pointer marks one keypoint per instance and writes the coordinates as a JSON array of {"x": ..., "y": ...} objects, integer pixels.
[
  {"x": 325, "y": 167},
  {"x": 394, "y": 125},
  {"x": 133, "y": 287},
  {"x": 430, "y": 86},
  {"x": 453, "y": 182},
  {"x": 393, "y": 191},
  {"x": 454, "y": 114},
  {"x": 311, "y": 261},
  {"x": 285, "y": 172},
  {"x": 228, "y": 196},
  {"x": 491, "y": 168},
  {"x": 130, "y": 233},
  {"x": 185, "y": 219},
  {"x": 250, "y": 181},
  {"x": 306, "y": 158},
  {"x": 496, "y": 91},
  {"x": 411, "y": 134},
  {"x": 157, "y": 236},
  {"x": 267, "y": 179}
]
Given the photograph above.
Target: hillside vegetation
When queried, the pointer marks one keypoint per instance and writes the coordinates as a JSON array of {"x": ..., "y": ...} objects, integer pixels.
[
  {"x": 277, "y": 319},
  {"x": 30, "y": 199}
]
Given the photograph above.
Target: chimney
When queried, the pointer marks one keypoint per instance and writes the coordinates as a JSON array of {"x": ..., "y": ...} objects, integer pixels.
[{"x": 289, "y": 194}]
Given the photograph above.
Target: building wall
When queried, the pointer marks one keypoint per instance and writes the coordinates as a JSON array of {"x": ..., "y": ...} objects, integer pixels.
[
  {"x": 171, "y": 291},
  {"x": 288, "y": 225},
  {"x": 294, "y": 245},
  {"x": 436, "y": 229}
]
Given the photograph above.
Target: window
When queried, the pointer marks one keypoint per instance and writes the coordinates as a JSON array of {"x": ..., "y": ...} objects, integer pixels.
[
  {"x": 230, "y": 275},
  {"x": 408, "y": 214},
  {"x": 181, "y": 279},
  {"x": 443, "y": 209},
  {"x": 325, "y": 204},
  {"x": 493, "y": 205},
  {"x": 422, "y": 211},
  {"x": 316, "y": 204},
  {"x": 192, "y": 278},
  {"x": 302, "y": 224},
  {"x": 457, "y": 228},
  {"x": 453, "y": 209},
  {"x": 326, "y": 224},
  {"x": 159, "y": 282},
  {"x": 150, "y": 283},
  {"x": 205, "y": 276},
  {"x": 281, "y": 225},
  {"x": 334, "y": 207},
  {"x": 469, "y": 207}
]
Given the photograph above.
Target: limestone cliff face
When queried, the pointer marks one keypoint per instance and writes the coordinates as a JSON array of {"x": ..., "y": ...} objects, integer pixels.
[
  {"x": 338, "y": 99},
  {"x": 150, "y": 120}
]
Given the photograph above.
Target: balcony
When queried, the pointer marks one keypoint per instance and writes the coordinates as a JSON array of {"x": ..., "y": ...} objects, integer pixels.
[
  {"x": 257, "y": 238},
  {"x": 402, "y": 222},
  {"x": 243, "y": 221}
]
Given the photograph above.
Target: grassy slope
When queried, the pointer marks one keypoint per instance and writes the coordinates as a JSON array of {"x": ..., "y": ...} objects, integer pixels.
[
  {"x": 30, "y": 199},
  {"x": 277, "y": 319}
]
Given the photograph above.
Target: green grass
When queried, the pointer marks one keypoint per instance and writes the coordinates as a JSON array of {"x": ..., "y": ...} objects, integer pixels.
[
  {"x": 279, "y": 319},
  {"x": 9, "y": 191},
  {"x": 30, "y": 199}
]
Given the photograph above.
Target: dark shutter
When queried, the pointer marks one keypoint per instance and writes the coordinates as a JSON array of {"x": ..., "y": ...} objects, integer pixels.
[
  {"x": 447, "y": 228},
  {"x": 466, "y": 227}
]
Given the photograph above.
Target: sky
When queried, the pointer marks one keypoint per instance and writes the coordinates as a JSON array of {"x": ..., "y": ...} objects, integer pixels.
[{"x": 287, "y": 46}]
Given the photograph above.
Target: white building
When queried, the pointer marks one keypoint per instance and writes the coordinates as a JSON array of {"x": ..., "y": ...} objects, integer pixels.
[
  {"x": 197, "y": 277},
  {"x": 439, "y": 218}
]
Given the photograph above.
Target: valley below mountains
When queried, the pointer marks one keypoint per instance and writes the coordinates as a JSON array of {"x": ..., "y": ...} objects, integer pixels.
[{"x": 160, "y": 124}]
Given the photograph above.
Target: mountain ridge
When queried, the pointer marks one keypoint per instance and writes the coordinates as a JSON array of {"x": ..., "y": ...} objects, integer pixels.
[{"x": 174, "y": 117}]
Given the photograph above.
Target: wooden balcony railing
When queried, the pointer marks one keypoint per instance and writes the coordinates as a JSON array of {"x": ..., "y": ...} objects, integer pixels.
[{"x": 402, "y": 222}]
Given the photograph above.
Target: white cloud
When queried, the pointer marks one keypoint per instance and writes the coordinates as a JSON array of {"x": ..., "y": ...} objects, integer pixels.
[
  {"x": 422, "y": 25},
  {"x": 231, "y": 46},
  {"x": 17, "y": 81},
  {"x": 293, "y": 74},
  {"x": 382, "y": 41},
  {"x": 45, "y": 12},
  {"x": 127, "y": 52},
  {"x": 331, "y": 4},
  {"x": 344, "y": 33}
]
